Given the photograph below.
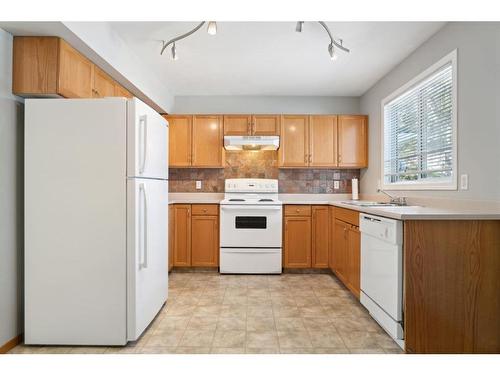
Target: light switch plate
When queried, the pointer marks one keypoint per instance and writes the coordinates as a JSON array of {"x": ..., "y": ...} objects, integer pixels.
[
  {"x": 464, "y": 182},
  {"x": 198, "y": 185},
  {"x": 336, "y": 185}
]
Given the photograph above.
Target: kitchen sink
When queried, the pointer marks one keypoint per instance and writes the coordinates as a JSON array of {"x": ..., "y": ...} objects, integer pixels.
[{"x": 371, "y": 204}]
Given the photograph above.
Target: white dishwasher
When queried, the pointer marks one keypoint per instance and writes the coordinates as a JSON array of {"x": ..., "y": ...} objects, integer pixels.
[{"x": 382, "y": 272}]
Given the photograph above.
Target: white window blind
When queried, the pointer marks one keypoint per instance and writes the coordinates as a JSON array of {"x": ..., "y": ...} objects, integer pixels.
[{"x": 419, "y": 132}]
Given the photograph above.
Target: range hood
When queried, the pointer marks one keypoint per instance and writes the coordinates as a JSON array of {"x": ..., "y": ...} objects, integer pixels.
[{"x": 239, "y": 143}]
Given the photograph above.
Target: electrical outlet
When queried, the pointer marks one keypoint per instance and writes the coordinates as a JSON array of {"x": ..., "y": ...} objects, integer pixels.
[
  {"x": 336, "y": 185},
  {"x": 198, "y": 185},
  {"x": 464, "y": 182}
]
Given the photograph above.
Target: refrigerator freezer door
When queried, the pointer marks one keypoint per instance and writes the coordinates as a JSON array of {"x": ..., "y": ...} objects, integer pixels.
[
  {"x": 147, "y": 228},
  {"x": 147, "y": 133}
]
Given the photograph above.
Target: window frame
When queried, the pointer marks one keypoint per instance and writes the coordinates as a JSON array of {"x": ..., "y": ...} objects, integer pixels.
[{"x": 424, "y": 184}]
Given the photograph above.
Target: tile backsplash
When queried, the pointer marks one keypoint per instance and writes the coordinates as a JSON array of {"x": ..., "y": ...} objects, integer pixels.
[{"x": 261, "y": 164}]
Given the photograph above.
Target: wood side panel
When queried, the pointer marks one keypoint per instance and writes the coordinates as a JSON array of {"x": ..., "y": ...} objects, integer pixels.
[
  {"x": 266, "y": 125},
  {"x": 12, "y": 343},
  {"x": 179, "y": 141},
  {"x": 207, "y": 139},
  {"x": 182, "y": 235},
  {"x": 171, "y": 235},
  {"x": 34, "y": 68},
  {"x": 320, "y": 243},
  {"x": 323, "y": 141},
  {"x": 75, "y": 74},
  {"x": 205, "y": 241},
  {"x": 297, "y": 242},
  {"x": 452, "y": 284},
  {"x": 331, "y": 238}
]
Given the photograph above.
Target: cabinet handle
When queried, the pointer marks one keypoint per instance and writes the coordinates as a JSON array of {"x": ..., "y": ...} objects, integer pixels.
[
  {"x": 340, "y": 158},
  {"x": 297, "y": 210},
  {"x": 310, "y": 158}
]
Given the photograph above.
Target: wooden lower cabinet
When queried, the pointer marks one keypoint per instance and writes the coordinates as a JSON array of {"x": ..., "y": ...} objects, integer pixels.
[
  {"x": 196, "y": 235},
  {"x": 204, "y": 241},
  {"x": 345, "y": 249},
  {"x": 182, "y": 235},
  {"x": 319, "y": 248},
  {"x": 171, "y": 226},
  {"x": 452, "y": 286},
  {"x": 297, "y": 242},
  {"x": 305, "y": 236}
]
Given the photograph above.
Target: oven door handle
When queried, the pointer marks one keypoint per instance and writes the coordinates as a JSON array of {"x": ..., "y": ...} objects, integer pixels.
[{"x": 260, "y": 208}]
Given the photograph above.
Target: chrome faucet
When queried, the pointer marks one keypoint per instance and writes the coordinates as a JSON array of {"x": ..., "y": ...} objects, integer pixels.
[{"x": 400, "y": 201}]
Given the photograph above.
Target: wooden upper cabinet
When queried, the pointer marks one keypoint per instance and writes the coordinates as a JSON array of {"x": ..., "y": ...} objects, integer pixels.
[
  {"x": 320, "y": 243},
  {"x": 35, "y": 66},
  {"x": 75, "y": 73},
  {"x": 204, "y": 241},
  {"x": 265, "y": 125},
  {"x": 237, "y": 124},
  {"x": 207, "y": 138},
  {"x": 294, "y": 147},
  {"x": 103, "y": 86},
  {"x": 297, "y": 242},
  {"x": 48, "y": 66},
  {"x": 323, "y": 141},
  {"x": 179, "y": 140},
  {"x": 122, "y": 92},
  {"x": 353, "y": 141},
  {"x": 182, "y": 235}
]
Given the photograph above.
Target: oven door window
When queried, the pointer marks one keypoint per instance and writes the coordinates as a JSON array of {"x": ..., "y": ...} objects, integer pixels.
[{"x": 250, "y": 222}]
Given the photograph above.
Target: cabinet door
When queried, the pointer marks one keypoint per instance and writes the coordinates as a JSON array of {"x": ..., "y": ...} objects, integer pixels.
[
  {"x": 205, "y": 241},
  {"x": 297, "y": 243},
  {"x": 121, "y": 91},
  {"x": 323, "y": 141},
  {"x": 207, "y": 142},
  {"x": 171, "y": 226},
  {"x": 179, "y": 141},
  {"x": 340, "y": 250},
  {"x": 353, "y": 141},
  {"x": 354, "y": 259},
  {"x": 103, "y": 86},
  {"x": 331, "y": 238},
  {"x": 237, "y": 125},
  {"x": 182, "y": 235},
  {"x": 265, "y": 125},
  {"x": 294, "y": 148},
  {"x": 75, "y": 73},
  {"x": 320, "y": 236}
]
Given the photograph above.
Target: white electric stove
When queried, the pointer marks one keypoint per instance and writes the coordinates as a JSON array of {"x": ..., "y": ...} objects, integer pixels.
[{"x": 251, "y": 227}]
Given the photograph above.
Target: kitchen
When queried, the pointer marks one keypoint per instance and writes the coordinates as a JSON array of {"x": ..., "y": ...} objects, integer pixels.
[{"x": 223, "y": 215}]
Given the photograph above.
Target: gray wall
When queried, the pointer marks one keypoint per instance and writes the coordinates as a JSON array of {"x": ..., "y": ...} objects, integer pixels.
[
  {"x": 266, "y": 104},
  {"x": 478, "y": 46},
  {"x": 11, "y": 198}
]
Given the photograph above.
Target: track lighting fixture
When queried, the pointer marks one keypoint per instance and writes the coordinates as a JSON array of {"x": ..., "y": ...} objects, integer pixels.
[
  {"x": 333, "y": 43},
  {"x": 211, "y": 30}
]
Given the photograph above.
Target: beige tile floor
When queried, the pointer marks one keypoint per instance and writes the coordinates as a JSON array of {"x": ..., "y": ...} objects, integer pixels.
[{"x": 289, "y": 313}]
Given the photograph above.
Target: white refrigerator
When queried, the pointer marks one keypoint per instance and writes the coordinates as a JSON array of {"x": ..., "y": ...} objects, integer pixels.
[{"x": 96, "y": 220}]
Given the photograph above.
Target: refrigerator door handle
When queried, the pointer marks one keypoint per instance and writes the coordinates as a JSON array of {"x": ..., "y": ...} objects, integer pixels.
[
  {"x": 143, "y": 261},
  {"x": 143, "y": 125}
]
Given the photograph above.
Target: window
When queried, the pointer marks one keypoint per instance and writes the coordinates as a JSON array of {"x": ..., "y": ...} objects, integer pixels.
[{"x": 419, "y": 131}]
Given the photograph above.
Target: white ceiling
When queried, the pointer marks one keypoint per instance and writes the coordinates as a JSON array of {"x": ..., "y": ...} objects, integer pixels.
[{"x": 270, "y": 58}]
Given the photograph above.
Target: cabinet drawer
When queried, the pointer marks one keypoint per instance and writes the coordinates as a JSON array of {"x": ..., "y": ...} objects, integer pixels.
[
  {"x": 297, "y": 210},
  {"x": 349, "y": 216},
  {"x": 205, "y": 209}
]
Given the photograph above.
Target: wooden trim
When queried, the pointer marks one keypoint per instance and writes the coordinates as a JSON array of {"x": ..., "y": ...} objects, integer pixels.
[{"x": 11, "y": 344}]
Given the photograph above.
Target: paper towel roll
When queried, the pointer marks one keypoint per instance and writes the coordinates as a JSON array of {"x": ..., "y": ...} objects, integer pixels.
[{"x": 355, "y": 189}]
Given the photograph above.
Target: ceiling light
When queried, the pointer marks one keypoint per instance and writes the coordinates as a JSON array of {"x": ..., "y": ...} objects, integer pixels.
[
  {"x": 212, "y": 28},
  {"x": 298, "y": 28},
  {"x": 331, "y": 51},
  {"x": 174, "y": 52}
]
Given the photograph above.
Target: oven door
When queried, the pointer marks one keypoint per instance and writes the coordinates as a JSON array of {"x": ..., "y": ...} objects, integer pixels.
[{"x": 250, "y": 226}]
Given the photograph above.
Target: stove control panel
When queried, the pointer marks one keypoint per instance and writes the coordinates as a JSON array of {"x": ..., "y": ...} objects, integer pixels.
[{"x": 251, "y": 185}]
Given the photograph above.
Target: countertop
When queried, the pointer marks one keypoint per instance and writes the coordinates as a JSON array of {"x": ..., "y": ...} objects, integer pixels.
[{"x": 418, "y": 212}]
